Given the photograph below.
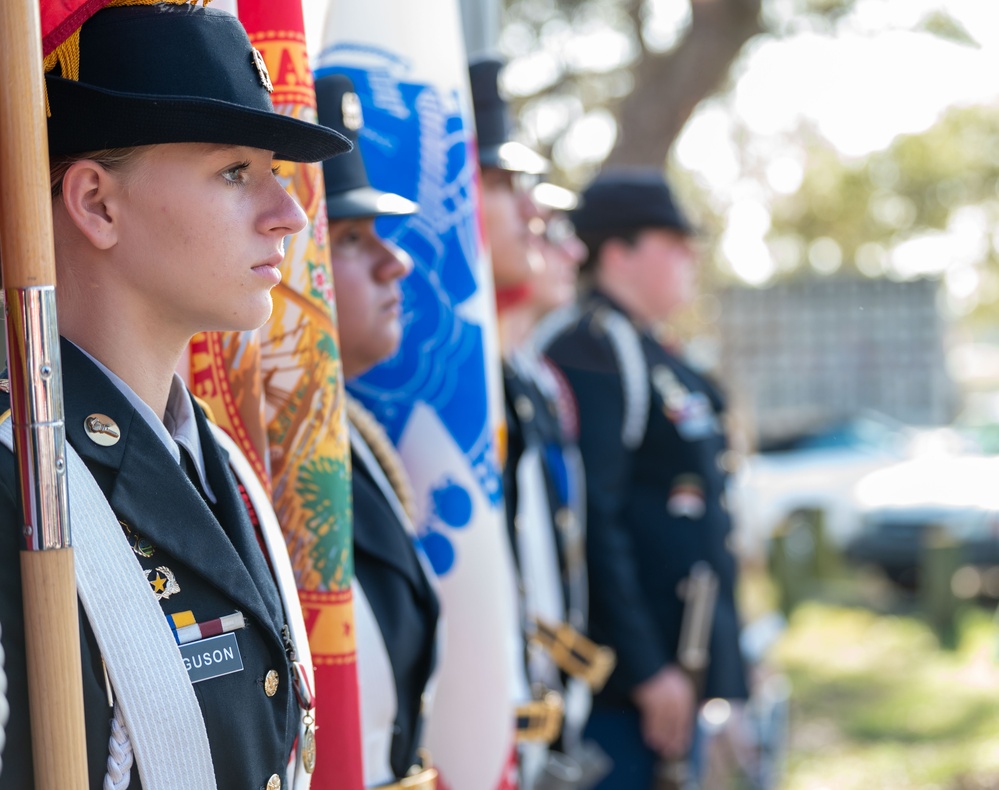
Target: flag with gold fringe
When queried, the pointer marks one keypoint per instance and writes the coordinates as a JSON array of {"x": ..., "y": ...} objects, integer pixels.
[
  {"x": 279, "y": 393},
  {"x": 61, "y": 18}
]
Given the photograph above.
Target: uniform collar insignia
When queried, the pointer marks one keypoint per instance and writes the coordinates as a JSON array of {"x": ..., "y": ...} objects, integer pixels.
[
  {"x": 164, "y": 583},
  {"x": 669, "y": 387},
  {"x": 139, "y": 544}
]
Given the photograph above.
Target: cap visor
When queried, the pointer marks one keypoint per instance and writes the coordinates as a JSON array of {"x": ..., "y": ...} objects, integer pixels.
[
  {"x": 513, "y": 157},
  {"x": 367, "y": 202}
]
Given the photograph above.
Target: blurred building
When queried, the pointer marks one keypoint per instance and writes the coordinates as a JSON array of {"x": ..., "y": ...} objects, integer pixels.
[{"x": 801, "y": 354}]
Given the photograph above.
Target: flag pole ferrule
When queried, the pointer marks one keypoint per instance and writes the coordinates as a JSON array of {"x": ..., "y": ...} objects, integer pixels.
[{"x": 35, "y": 368}]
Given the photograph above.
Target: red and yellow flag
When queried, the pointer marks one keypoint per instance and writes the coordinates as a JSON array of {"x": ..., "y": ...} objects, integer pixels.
[{"x": 279, "y": 393}]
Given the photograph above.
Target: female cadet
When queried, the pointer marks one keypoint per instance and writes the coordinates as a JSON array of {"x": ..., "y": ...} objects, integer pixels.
[
  {"x": 168, "y": 221},
  {"x": 396, "y": 607}
]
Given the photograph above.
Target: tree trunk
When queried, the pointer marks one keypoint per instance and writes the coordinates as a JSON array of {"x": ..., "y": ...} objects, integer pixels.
[{"x": 669, "y": 86}]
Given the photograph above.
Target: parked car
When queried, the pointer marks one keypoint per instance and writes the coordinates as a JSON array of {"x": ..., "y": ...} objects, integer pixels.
[
  {"x": 900, "y": 505},
  {"x": 819, "y": 470}
]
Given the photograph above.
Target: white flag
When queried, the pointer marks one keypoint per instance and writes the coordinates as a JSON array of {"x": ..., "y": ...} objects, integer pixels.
[{"x": 439, "y": 398}]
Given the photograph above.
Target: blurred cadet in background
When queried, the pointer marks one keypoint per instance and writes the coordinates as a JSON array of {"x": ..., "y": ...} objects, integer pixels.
[
  {"x": 554, "y": 284},
  {"x": 661, "y": 576},
  {"x": 542, "y": 501},
  {"x": 553, "y": 287},
  {"x": 396, "y": 606}
]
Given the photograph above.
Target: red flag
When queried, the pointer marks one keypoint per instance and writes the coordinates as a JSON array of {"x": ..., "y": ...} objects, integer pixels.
[{"x": 60, "y": 18}]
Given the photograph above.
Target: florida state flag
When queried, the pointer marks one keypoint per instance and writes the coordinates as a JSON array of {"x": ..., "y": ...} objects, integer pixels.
[{"x": 279, "y": 393}]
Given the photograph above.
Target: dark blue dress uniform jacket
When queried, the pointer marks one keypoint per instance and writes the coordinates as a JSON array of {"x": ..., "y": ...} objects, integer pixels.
[
  {"x": 216, "y": 561},
  {"x": 533, "y": 422},
  {"x": 652, "y": 511},
  {"x": 404, "y": 604}
]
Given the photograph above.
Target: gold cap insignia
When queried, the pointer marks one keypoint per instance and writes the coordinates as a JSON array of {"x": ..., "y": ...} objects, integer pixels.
[
  {"x": 265, "y": 77},
  {"x": 351, "y": 108}
]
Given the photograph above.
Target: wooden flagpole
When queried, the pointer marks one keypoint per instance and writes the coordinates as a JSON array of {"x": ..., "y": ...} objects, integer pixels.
[{"x": 28, "y": 267}]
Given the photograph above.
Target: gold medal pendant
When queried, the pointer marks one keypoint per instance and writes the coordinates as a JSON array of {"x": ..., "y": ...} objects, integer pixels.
[{"x": 309, "y": 744}]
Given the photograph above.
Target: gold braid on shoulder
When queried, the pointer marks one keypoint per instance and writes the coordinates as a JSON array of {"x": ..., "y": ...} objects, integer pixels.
[
  {"x": 385, "y": 453},
  {"x": 67, "y": 54}
]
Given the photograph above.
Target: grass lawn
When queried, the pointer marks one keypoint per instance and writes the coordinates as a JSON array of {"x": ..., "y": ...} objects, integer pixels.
[{"x": 877, "y": 704}]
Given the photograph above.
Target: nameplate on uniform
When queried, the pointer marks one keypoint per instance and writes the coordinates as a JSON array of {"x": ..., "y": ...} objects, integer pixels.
[{"x": 212, "y": 657}]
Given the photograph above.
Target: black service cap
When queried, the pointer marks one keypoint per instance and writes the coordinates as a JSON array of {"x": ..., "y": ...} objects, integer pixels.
[
  {"x": 628, "y": 199},
  {"x": 349, "y": 194},
  {"x": 168, "y": 73},
  {"x": 493, "y": 127}
]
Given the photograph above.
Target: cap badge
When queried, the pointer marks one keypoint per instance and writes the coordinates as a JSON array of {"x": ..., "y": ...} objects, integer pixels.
[
  {"x": 102, "y": 430},
  {"x": 350, "y": 106},
  {"x": 265, "y": 78}
]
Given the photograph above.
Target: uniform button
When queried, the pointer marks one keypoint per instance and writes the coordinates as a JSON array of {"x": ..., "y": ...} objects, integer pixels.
[
  {"x": 274, "y": 783},
  {"x": 271, "y": 682},
  {"x": 524, "y": 408}
]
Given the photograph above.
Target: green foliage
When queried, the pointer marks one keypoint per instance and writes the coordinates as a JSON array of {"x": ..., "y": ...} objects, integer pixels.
[
  {"x": 582, "y": 56},
  {"x": 877, "y": 704},
  {"x": 918, "y": 185},
  {"x": 945, "y": 26},
  {"x": 955, "y": 163},
  {"x": 323, "y": 484}
]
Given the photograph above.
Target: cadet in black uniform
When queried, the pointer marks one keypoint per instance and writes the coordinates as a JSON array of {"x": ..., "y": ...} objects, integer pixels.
[
  {"x": 396, "y": 608},
  {"x": 168, "y": 221},
  {"x": 515, "y": 252},
  {"x": 541, "y": 494},
  {"x": 652, "y": 442}
]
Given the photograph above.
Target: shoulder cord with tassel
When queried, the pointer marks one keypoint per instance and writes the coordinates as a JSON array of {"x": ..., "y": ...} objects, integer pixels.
[{"x": 385, "y": 453}]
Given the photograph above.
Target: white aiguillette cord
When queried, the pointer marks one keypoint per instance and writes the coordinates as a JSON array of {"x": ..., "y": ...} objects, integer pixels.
[{"x": 142, "y": 658}]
